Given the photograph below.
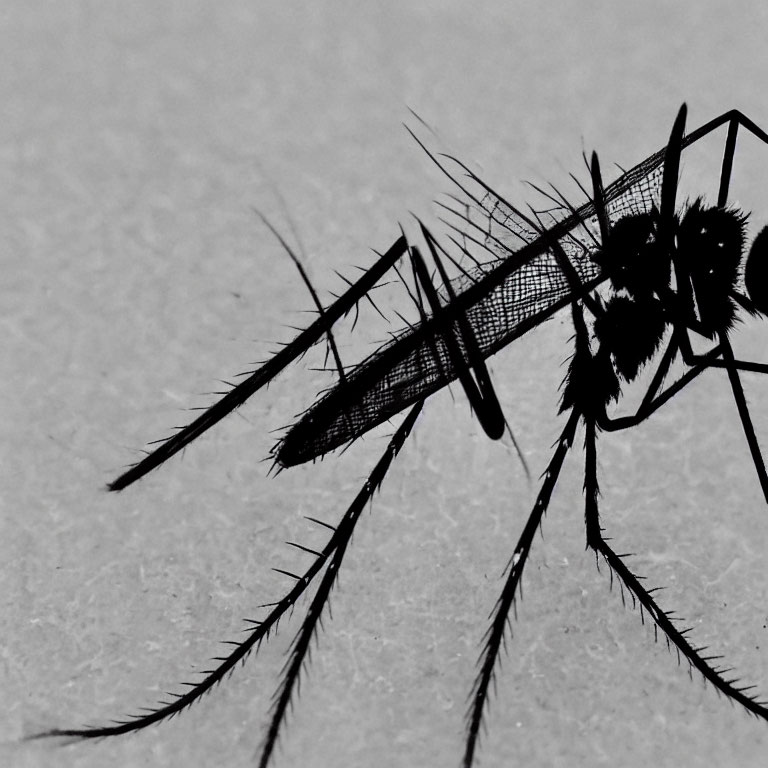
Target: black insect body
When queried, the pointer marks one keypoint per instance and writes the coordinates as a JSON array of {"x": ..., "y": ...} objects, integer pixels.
[
  {"x": 639, "y": 277},
  {"x": 710, "y": 245},
  {"x": 629, "y": 326}
]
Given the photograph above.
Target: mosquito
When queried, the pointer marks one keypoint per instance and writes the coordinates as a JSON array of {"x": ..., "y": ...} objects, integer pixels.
[{"x": 642, "y": 278}]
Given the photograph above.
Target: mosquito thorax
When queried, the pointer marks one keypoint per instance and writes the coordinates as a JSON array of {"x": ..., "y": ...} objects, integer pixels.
[
  {"x": 631, "y": 331},
  {"x": 631, "y": 322},
  {"x": 710, "y": 243},
  {"x": 756, "y": 272},
  {"x": 633, "y": 256}
]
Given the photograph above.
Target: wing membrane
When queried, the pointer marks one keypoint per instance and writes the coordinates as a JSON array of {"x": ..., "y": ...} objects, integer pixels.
[{"x": 521, "y": 285}]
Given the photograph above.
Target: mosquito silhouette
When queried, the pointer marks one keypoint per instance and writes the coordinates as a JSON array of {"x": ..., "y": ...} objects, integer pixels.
[{"x": 640, "y": 277}]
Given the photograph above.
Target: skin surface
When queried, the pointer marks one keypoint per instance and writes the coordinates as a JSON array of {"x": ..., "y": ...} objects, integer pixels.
[{"x": 134, "y": 144}]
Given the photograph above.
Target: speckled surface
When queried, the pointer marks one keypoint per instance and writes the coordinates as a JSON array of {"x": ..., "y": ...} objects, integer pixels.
[{"x": 135, "y": 140}]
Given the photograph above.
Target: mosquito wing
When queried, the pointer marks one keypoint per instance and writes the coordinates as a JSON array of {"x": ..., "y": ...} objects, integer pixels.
[
  {"x": 520, "y": 286},
  {"x": 505, "y": 229}
]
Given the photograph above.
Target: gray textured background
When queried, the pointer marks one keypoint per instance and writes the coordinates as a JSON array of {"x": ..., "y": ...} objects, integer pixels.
[{"x": 135, "y": 139}]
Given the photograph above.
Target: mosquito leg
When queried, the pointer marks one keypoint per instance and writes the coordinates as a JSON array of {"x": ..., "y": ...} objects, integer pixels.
[
  {"x": 746, "y": 419},
  {"x": 661, "y": 372},
  {"x": 264, "y": 374},
  {"x": 483, "y": 390},
  {"x": 670, "y": 180},
  {"x": 682, "y": 327},
  {"x": 732, "y": 117},
  {"x": 652, "y": 401},
  {"x": 732, "y": 364},
  {"x": 495, "y": 635},
  {"x": 649, "y": 406},
  {"x": 727, "y": 167},
  {"x": 332, "y": 554},
  {"x": 299, "y": 653},
  {"x": 663, "y": 620},
  {"x": 691, "y": 358},
  {"x": 481, "y": 394},
  {"x": 598, "y": 197},
  {"x": 651, "y": 395},
  {"x": 312, "y": 292}
]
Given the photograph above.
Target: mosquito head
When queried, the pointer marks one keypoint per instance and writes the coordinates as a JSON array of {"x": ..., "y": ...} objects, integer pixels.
[
  {"x": 710, "y": 243},
  {"x": 632, "y": 254},
  {"x": 756, "y": 272}
]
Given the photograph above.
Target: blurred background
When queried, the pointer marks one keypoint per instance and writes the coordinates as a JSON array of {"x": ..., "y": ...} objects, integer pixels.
[{"x": 136, "y": 140}]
